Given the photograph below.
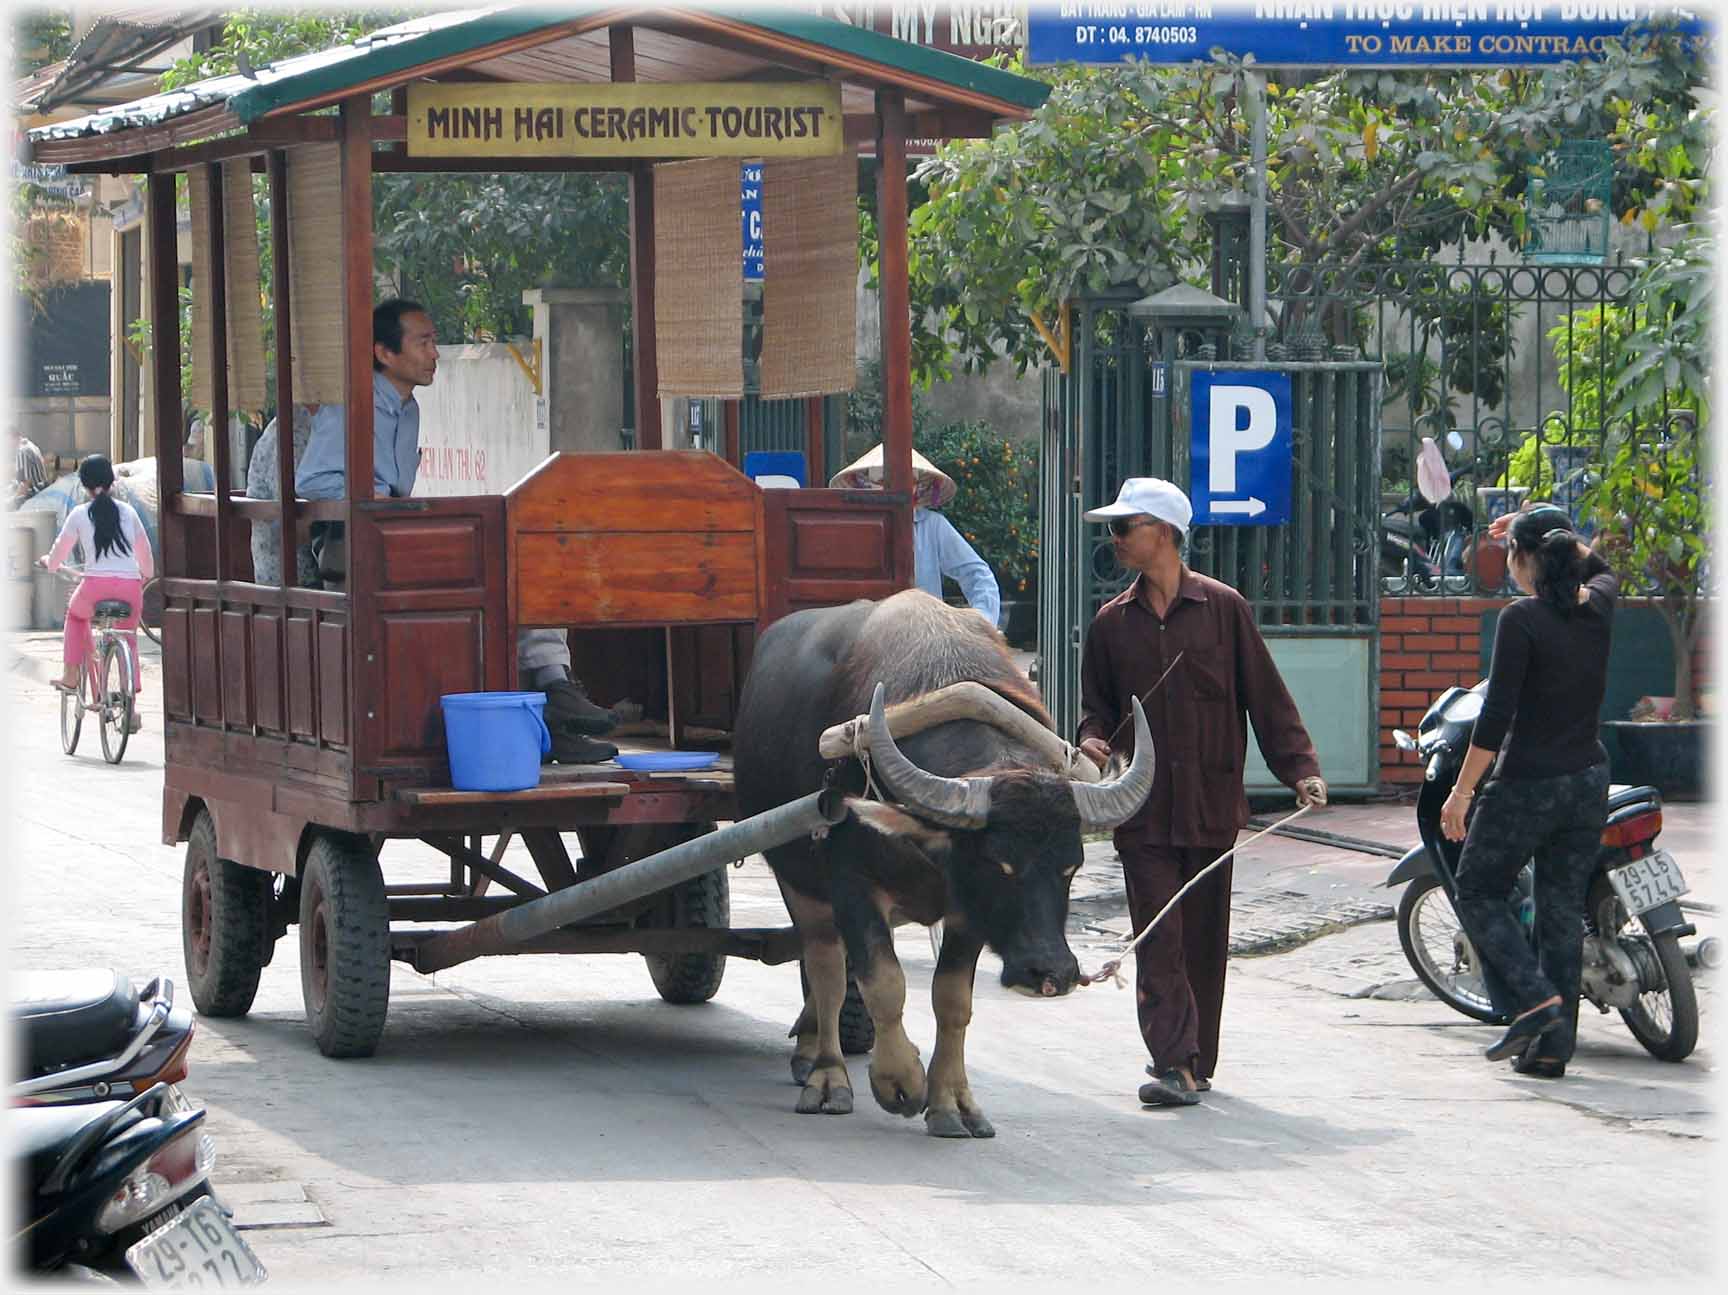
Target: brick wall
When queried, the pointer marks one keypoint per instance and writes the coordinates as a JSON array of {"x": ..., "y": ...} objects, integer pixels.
[{"x": 1429, "y": 644}]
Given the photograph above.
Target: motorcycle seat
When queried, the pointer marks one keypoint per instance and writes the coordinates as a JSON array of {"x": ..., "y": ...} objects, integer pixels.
[
  {"x": 1620, "y": 797},
  {"x": 115, "y": 607},
  {"x": 44, "y": 1133},
  {"x": 68, "y": 1017}
]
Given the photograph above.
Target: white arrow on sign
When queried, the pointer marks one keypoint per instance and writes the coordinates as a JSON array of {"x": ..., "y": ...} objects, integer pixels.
[{"x": 1252, "y": 506}]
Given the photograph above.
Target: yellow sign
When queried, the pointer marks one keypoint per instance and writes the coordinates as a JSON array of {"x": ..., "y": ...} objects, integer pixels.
[{"x": 724, "y": 119}]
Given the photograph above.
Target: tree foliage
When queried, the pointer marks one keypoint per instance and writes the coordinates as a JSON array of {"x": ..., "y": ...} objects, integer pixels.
[{"x": 1108, "y": 184}]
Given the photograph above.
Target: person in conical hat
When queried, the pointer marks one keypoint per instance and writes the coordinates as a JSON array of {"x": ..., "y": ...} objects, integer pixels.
[{"x": 937, "y": 548}]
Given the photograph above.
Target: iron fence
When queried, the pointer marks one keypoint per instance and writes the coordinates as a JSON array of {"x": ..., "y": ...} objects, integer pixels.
[{"x": 1505, "y": 367}]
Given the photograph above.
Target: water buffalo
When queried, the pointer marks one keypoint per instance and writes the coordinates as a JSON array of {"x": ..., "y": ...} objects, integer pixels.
[{"x": 975, "y": 830}]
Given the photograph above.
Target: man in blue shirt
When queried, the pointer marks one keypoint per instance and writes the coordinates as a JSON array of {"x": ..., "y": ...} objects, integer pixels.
[
  {"x": 937, "y": 548},
  {"x": 405, "y": 356}
]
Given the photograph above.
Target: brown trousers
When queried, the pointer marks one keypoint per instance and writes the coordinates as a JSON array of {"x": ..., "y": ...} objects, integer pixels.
[{"x": 1179, "y": 986}]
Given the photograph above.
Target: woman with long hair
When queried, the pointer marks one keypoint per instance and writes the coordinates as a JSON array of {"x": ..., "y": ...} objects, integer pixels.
[
  {"x": 1548, "y": 796},
  {"x": 117, "y": 562}
]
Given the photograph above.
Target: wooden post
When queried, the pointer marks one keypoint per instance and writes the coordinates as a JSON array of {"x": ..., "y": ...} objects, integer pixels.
[
  {"x": 732, "y": 446},
  {"x": 645, "y": 351},
  {"x": 164, "y": 262},
  {"x": 289, "y": 517},
  {"x": 357, "y": 282},
  {"x": 217, "y": 298},
  {"x": 896, "y": 315},
  {"x": 815, "y": 451}
]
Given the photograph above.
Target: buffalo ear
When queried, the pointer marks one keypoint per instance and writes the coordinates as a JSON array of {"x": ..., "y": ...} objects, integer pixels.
[{"x": 891, "y": 820}]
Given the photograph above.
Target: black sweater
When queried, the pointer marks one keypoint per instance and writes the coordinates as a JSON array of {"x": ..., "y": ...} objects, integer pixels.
[{"x": 1546, "y": 681}]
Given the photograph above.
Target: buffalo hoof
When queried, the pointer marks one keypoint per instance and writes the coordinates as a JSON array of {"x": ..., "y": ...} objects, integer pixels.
[
  {"x": 829, "y": 1092},
  {"x": 950, "y": 1123},
  {"x": 899, "y": 1092},
  {"x": 802, "y": 1069}
]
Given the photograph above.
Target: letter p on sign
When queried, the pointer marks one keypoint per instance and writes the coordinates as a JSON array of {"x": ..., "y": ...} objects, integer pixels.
[
  {"x": 1241, "y": 447},
  {"x": 1244, "y": 419}
]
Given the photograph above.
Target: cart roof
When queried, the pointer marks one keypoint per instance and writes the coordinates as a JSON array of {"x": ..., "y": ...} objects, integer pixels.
[{"x": 566, "y": 43}]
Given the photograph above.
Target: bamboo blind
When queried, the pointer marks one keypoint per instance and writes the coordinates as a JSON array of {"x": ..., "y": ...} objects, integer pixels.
[
  {"x": 246, "y": 380},
  {"x": 698, "y": 278},
  {"x": 315, "y": 251},
  {"x": 810, "y": 276}
]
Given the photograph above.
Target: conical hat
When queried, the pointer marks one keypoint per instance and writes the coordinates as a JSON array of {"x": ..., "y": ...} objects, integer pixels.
[{"x": 932, "y": 486}]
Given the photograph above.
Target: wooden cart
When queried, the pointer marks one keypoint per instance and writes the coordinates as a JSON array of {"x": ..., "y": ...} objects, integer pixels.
[{"x": 302, "y": 726}]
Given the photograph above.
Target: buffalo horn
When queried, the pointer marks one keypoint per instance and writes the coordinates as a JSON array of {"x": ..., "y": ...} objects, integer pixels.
[
  {"x": 953, "y": 802},
  {"x": 1110, "y": 804}
]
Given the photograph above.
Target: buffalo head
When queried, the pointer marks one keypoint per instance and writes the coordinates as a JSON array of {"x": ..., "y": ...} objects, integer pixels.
[{"x": 1015, "y": 846}]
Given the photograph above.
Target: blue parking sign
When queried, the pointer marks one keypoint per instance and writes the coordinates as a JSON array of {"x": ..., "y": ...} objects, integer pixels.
[{"x": 1241, "y": 448}]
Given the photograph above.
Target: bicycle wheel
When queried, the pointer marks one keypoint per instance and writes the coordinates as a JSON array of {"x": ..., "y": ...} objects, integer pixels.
[
  {"x": 72, "y": 715},
  {"x": 117, "y": 700}
]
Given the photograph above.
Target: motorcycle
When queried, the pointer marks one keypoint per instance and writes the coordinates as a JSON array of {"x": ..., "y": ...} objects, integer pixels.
[
  {"x": 1423, "y": 545},
  {"x": 1633, "y": 962},
  {"x": 116, "y": 1158},
  {"x": 92, "y": 1035}
]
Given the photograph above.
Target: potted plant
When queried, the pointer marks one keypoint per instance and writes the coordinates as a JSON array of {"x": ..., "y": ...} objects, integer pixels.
[{"x": 1651, "y": 506}]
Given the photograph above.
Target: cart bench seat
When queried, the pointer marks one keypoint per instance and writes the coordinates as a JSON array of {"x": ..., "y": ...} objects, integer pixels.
[{"x": 445, "y": 796}]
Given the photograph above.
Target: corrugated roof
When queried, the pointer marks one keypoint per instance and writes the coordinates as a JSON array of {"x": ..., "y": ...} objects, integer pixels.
[{"x": 323, "y": 76}]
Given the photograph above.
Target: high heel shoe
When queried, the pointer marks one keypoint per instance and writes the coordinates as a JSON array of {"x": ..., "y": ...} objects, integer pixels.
[{"x": 1524, "y": 1031}]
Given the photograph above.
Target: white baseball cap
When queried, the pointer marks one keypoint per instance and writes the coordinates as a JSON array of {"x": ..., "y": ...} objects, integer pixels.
[{"x": 1148, "y": 497}]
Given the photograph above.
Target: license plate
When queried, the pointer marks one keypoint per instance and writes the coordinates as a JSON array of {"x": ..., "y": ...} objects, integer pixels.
[
  {"x": 1645, "y": 883},
  {"x": 199, "y": 1248}
]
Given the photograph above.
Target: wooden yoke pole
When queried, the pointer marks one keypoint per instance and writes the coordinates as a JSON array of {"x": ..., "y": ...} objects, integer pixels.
[
  {"x": 356, "y": 148},
  {"x": 645, "y": 352},
  {"x": 279, "y": 277},
  {"x": 164, "y": 270},
  {"x": 896, "y": 316}
]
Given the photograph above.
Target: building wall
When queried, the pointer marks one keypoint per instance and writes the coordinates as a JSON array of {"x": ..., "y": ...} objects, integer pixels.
[
  {"x": 478, "y": 431},
  {"x": 1430, "y": 644}
]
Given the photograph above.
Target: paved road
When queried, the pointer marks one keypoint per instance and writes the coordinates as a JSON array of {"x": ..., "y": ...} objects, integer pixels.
[{"x": 550, "y": 1118}]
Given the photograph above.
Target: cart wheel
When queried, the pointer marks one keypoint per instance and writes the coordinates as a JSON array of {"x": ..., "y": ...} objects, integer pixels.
[
  {"x": 344, "y": 946},
  {"x": 224, "y": 924},
  {"x": 702, "y": 903}
]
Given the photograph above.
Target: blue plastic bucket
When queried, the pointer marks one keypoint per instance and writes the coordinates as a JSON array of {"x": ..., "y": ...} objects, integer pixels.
[{"x": 495, "y": 739}]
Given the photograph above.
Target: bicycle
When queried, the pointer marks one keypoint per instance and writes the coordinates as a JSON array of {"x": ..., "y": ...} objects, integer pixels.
[{"x": 109, "y": 691}]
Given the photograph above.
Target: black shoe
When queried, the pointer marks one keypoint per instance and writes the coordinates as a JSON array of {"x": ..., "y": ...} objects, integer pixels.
[
  {"x": 1169, "y": 1089},
  {"x": 1539, "y": 1067},
  {"x": 1524, "y": 1031},
  {"x": 568, "y": 705},
  {"x": 573, "y": 748}
]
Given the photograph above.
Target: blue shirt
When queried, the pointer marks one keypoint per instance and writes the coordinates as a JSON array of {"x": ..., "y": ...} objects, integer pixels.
[
  {"x": 323, "y": 471},
  {"x": 939, "y": 550}
]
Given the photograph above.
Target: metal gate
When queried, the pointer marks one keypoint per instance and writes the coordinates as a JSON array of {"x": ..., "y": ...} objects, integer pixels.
[{"x": 1312, "y": 582}]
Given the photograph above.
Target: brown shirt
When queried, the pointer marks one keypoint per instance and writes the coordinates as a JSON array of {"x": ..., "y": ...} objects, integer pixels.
[{"x": 1196, "y": 717}]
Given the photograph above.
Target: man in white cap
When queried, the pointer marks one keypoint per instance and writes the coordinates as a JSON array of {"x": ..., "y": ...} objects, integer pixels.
[
  {"x": 937, "y": 548},
  {"x": 1197, "y": 803}
]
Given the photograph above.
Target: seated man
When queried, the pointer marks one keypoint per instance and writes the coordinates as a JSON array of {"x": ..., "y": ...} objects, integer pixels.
[
  {"x": 405, "y": 356},
  {"x": 261, "y": 483}
]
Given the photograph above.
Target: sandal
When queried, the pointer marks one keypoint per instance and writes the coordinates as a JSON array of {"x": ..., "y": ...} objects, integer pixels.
[
  {"x": 1169, "y": 1088},
  {"x": 60, "y": 685}
]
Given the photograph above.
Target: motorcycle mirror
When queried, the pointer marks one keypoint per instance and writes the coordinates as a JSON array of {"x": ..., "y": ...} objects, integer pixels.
[
  {"x": 1402, "y": 740},
  {"x": 1454, "y": 441}
]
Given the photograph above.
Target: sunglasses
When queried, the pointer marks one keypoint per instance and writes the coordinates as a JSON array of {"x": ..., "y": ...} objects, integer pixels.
[{"x": 1123, "y": 527}]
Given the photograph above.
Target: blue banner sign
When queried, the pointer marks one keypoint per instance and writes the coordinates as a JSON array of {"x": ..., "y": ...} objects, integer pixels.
[
  {"x": 750, "y": 194},
  {"x": 1240, "y": 451},
  {"x": 1374, "y": 34}
]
